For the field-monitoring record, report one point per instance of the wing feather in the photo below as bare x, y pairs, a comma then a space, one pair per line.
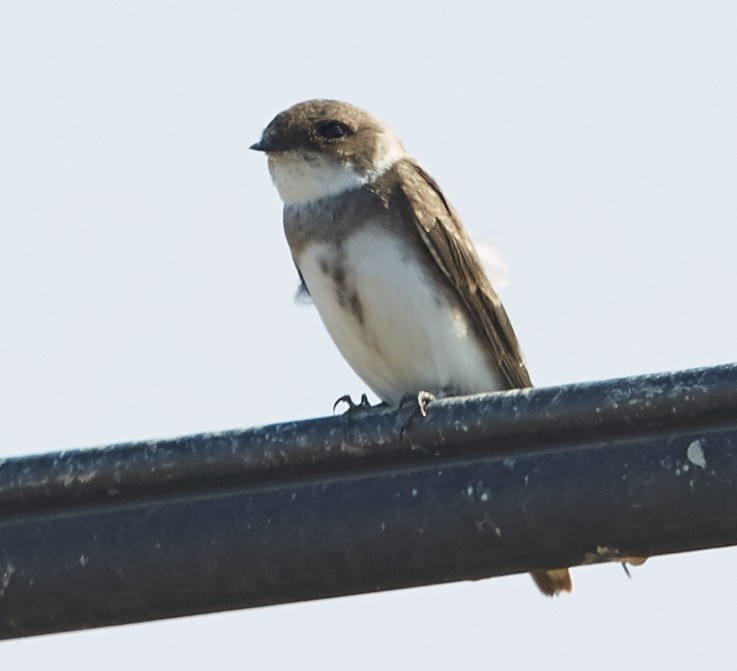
446, 238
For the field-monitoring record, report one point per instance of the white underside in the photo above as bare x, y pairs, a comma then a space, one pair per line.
301, 181
407, 341
303, 176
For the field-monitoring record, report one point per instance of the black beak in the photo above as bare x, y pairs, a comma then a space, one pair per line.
265, 144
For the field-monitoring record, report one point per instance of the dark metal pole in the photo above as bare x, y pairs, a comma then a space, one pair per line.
483, 486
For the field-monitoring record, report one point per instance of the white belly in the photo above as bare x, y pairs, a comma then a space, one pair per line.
390, 323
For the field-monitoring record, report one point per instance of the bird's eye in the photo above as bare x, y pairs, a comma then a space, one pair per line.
332, 130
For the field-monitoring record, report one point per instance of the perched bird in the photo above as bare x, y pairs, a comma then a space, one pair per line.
388, 263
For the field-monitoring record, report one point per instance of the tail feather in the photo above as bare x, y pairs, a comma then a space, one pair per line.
553, 581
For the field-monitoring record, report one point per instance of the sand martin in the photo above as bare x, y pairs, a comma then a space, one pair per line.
388, 263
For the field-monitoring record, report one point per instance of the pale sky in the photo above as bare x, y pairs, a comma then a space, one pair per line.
146, 289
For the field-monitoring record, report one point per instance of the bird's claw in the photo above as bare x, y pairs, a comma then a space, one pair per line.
420, 400
414, 402
353, 407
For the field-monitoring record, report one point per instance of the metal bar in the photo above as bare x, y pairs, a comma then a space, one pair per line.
483, 486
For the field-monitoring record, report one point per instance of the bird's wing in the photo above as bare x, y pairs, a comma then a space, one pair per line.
440, 228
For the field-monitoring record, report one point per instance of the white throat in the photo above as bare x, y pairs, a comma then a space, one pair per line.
302, 177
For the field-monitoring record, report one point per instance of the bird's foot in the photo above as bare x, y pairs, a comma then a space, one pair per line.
352, 413
420, 401
354, 407
413, 404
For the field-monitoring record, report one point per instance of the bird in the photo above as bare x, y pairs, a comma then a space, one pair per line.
388, 263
